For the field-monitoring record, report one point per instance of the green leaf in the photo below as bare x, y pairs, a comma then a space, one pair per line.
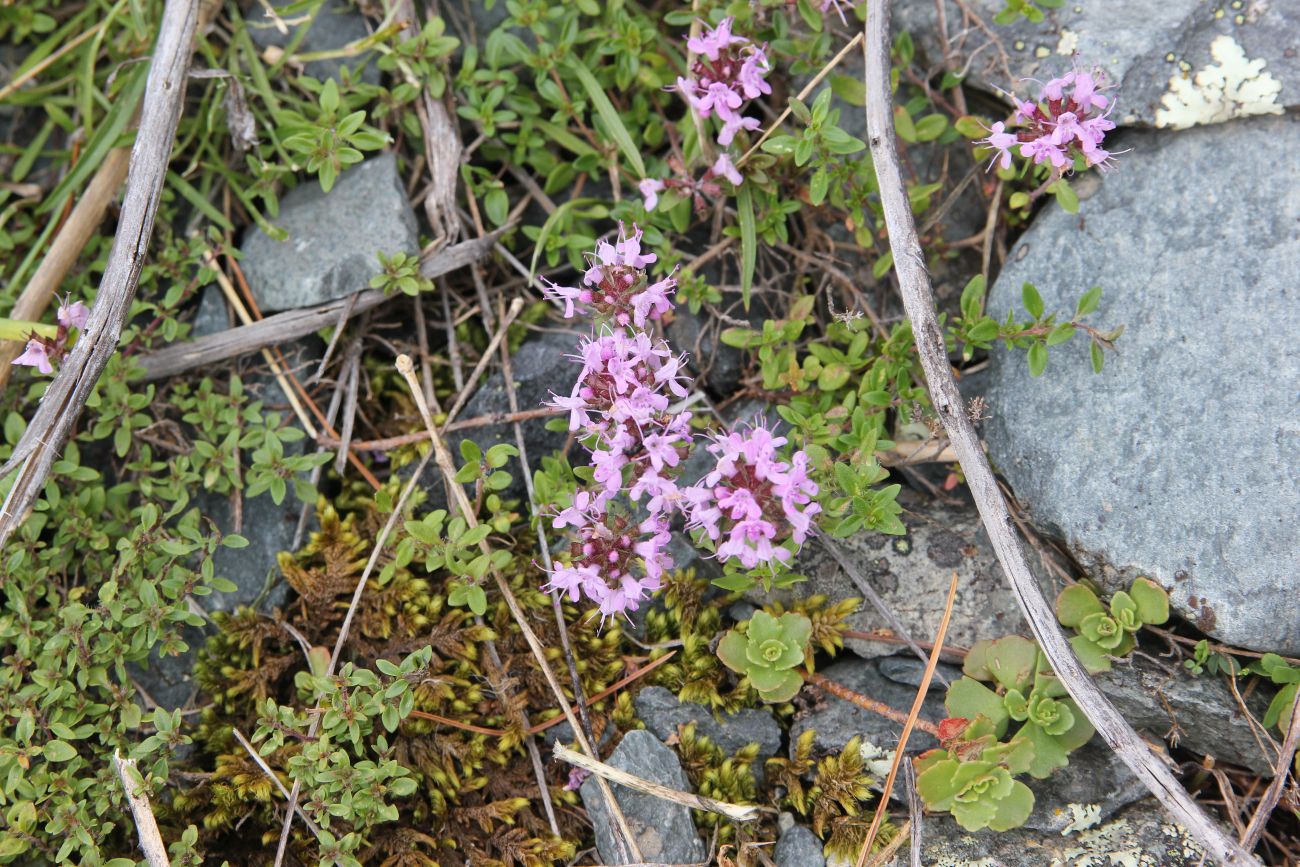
59, 751
1032, 300
969, 698
1088, 303
1075, 603
1065, 196
1014, 809
608, 114
818, 186
1037, 358
731, 650
1049, 755
972, 297
1097, 356
903, 124
931, 127
1279, 710
748, 241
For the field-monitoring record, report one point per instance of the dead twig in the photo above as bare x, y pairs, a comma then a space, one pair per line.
918, 299
151, 842
735, 812
67, 394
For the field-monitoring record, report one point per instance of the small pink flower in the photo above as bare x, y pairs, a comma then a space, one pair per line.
1002, 142
711, 43
73, 315
1042, 150
733, 125
36, 355
723, 167
650, 189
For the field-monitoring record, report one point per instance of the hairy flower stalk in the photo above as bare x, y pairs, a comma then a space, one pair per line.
1060, 127
749, 505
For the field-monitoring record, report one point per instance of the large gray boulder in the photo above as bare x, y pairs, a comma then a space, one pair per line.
664, 830
334, 237
1177, 63
1181, 460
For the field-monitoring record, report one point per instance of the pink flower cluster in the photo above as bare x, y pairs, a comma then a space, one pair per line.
615, 287
728, 71
42, 352
1060, 126
751, 495
620, 405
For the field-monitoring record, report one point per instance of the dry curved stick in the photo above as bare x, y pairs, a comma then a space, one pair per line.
67, 394
918, 299
735, 812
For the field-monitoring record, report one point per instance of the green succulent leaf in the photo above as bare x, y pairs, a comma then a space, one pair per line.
1151, 600
969, 698
1093, 656
1075, 603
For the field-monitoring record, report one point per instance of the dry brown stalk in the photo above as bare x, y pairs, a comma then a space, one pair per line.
879, 708
735, 812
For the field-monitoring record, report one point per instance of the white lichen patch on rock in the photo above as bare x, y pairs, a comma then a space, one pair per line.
1068, 43
1082, 817
877, 759
1115, 845
1232, 86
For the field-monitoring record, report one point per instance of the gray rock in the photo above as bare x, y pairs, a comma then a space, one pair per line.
1096, 782
212, 316
334, 237
664, 830
662, 713
1181, 460
911, 575
798, 847
337, 24
838, 721
1164, 55
1143, 835
1199, 713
